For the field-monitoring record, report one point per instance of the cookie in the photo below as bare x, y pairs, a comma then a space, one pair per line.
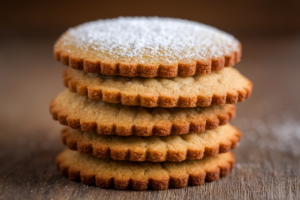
217, 88
147, 47
79, 112
107, 173
175, 148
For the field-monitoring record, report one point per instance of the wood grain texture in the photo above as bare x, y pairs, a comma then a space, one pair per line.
268, 157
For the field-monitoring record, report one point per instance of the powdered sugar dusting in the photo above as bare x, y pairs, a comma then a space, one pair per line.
150, 39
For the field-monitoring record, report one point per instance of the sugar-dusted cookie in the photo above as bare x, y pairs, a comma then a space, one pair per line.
147, 47
217, 88
79, 112
175, 148
107, 173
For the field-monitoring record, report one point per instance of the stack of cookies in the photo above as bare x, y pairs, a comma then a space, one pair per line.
148, 103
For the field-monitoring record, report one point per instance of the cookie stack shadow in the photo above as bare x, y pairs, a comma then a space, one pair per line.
140, 126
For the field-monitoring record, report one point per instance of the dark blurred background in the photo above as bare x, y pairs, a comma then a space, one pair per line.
30, 77
270, 17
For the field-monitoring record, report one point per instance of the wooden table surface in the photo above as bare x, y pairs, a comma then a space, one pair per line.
268, 157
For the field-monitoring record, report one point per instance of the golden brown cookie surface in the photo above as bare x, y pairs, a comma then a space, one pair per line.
147, 47
106, 173
174, 148
79, 112
217, 88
